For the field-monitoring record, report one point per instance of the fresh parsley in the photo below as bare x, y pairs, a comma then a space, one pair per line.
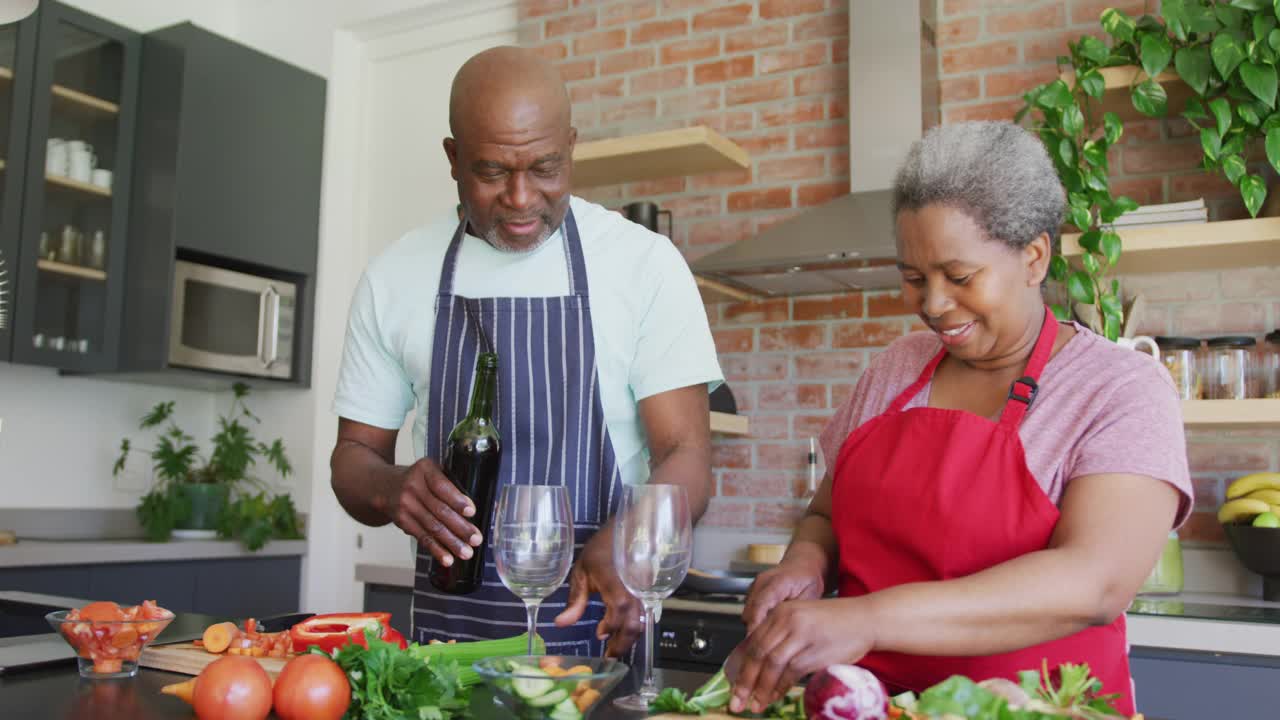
388, 683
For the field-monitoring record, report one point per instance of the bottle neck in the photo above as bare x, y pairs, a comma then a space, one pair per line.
483, 395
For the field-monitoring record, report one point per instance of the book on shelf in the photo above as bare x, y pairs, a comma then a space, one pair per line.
1197, 204
1128, 220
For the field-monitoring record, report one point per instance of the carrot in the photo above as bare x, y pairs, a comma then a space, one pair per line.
108, 665
578, 670
257, 651
217, 638
235, 651
183, 690
586, 698
198, 643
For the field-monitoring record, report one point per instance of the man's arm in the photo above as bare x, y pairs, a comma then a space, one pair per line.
677, 423
418, 498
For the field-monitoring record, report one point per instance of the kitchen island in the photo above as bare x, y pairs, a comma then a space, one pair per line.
57, 692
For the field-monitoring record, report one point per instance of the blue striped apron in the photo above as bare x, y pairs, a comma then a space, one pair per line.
553, 431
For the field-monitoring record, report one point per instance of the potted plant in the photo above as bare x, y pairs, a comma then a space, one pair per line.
1226, 53
210, 493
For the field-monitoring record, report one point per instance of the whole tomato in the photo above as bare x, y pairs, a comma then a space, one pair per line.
232, 688
312, 687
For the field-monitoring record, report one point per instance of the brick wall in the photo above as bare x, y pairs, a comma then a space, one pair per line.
772, 75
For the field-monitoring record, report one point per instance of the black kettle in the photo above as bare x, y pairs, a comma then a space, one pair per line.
646, 214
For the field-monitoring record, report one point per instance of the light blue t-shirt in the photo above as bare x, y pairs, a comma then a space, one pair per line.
651, 332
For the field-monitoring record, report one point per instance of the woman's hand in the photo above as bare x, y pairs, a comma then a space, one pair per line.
795, 578
797, 638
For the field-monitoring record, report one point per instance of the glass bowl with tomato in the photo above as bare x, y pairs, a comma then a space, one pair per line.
109, 638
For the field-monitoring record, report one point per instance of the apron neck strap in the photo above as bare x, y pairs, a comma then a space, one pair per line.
574, 258
1023, 390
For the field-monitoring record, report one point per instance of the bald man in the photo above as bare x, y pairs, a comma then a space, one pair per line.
605, 361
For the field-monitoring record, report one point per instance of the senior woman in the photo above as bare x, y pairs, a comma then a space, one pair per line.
999, 486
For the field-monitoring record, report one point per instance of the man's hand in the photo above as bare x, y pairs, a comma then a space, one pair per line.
425, 504
594, 573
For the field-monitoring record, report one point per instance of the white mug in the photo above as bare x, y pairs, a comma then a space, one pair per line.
82, 162
57, 157
101, 178
1138, 342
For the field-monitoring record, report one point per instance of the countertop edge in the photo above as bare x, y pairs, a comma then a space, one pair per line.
39, 553
1170, 633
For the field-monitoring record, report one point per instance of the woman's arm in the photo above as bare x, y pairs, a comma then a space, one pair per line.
806, 568
1111, 530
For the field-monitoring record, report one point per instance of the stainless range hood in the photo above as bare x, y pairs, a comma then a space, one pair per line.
847, 244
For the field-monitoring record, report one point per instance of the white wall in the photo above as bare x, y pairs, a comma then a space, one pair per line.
60, 436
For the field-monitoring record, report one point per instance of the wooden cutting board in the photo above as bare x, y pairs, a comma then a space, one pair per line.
188, 659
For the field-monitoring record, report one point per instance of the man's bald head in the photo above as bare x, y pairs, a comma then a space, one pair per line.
507, 81
512, 147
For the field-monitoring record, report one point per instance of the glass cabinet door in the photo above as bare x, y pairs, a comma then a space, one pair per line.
74, 222
17, 55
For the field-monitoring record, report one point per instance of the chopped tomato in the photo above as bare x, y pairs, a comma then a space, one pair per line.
109, 634
102, 612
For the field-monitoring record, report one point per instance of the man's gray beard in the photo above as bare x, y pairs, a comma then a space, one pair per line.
497, 243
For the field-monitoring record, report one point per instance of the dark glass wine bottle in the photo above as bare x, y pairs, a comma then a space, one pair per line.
471, 458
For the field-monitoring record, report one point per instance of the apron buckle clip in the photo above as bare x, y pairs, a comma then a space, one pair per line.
1029, 382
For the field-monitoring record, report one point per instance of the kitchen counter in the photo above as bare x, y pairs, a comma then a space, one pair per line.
1206, 622
30, 553
58, 692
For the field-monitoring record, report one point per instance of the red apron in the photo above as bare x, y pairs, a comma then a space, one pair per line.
933, 494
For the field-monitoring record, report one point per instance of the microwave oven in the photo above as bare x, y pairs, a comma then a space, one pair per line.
233, 322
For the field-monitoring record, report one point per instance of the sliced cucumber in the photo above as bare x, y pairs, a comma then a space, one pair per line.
531, 682
546, 700
566, 710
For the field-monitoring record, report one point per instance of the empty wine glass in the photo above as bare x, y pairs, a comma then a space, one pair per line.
652, 545
533, 540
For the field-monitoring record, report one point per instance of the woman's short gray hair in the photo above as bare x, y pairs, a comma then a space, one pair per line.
996, 172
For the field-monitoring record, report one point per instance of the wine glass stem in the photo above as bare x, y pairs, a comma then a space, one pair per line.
649, 689
531, 607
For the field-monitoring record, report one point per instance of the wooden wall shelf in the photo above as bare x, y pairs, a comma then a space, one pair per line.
82, 100
75, 97
653, 156
1194, 246
714, 291
727, 424
73, 270
1116, 97
1226, 414
70, 184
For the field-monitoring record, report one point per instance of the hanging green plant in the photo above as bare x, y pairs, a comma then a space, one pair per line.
1226, 53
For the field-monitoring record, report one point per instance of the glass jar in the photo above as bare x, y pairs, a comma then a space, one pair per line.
1166, 576
1231, 368
1269, 365
1181, 357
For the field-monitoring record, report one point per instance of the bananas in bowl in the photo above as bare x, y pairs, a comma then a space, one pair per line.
1252, 499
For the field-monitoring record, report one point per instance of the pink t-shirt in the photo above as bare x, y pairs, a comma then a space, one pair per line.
1100, 409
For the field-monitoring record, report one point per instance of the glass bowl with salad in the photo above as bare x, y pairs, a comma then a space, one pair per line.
550, 687
109, 638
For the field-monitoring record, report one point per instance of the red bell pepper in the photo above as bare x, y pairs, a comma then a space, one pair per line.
332, 631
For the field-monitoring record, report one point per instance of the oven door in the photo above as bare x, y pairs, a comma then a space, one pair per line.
697, 640
231, 322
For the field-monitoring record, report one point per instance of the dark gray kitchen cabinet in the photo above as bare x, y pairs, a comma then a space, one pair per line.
232, 587
17, 76
230, 166
1189, 685
228, 175
70, 148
